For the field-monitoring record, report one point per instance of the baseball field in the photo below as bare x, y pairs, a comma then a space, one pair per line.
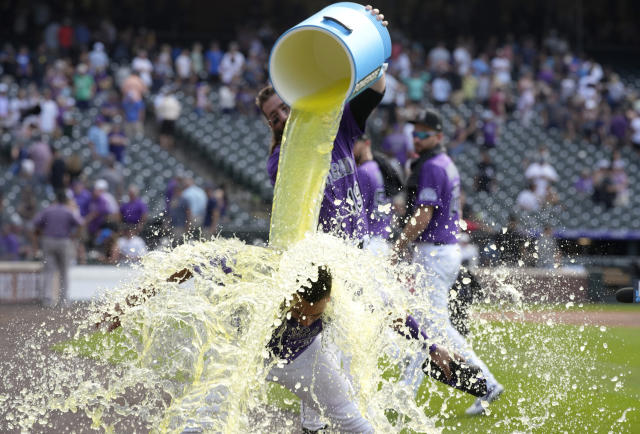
564, 370
560, 375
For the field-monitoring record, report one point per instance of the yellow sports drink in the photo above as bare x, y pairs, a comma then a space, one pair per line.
305, 156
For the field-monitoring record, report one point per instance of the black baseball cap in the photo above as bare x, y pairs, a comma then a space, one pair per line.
430, 119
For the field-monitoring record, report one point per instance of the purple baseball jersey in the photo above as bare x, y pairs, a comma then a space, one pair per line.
439, 186
342, 210
377, 205
290, 339
57, 221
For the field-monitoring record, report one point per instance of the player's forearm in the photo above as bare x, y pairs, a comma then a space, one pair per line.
416, 225
380, 85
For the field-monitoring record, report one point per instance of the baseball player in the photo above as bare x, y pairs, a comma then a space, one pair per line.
377, 205
433, 200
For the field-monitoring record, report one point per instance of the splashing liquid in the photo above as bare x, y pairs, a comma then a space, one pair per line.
304, 164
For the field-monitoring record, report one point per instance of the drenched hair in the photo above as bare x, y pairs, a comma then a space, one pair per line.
317, 289
264, 94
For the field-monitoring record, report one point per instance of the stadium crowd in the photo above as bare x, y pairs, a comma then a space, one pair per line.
123, 75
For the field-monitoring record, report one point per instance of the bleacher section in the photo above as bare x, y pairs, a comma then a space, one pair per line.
147, 164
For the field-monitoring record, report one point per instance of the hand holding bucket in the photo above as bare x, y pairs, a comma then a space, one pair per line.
343, 43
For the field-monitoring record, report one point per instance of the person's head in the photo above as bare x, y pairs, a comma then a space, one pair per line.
133, 191
100, 187
275, 111
427, 132
61, 196
311, 299
362, 149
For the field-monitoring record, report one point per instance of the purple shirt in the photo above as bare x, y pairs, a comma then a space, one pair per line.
342, 210
100, 205
439, 186
57, 221
133, 211
9, 247
373, 197
83, 199
290, 339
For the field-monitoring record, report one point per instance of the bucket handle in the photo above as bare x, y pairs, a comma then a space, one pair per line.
348, 29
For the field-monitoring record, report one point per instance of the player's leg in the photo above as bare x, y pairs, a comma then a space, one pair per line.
442, 264
316, 378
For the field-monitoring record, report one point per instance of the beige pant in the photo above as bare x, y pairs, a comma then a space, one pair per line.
57, 254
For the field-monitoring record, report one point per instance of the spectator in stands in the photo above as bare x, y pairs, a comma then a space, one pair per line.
74, 167
65, 37
490, 130
98, 138
84, 87
100, 208
501, 67
227, 98
111, 172
133, 115
40, 153
143, 67
58, 174
620, 183
56, 226
163, 67
110, 108
213, 57
526, 100
542, 174
178, 210
184, 68
547, 249
196, 199
584, 183
603, 190
197, 61
4, 106
441, 87
439, 56
129, 247
133, 87
9, 243
528, 200
231, 64
457, 143
416, 84
81, 196
134, 211
98, 59
213, 211
49, 112
485, 178
168, 110
118, 142
203, 104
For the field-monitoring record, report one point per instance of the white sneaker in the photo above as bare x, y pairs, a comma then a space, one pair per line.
481, 404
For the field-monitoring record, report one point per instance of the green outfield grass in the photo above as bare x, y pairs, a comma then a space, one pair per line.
538, 404
557, 378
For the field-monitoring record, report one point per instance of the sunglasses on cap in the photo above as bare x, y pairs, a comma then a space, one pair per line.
424, 134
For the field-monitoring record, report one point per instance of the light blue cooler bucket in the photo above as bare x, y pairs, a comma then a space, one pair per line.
342, 41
